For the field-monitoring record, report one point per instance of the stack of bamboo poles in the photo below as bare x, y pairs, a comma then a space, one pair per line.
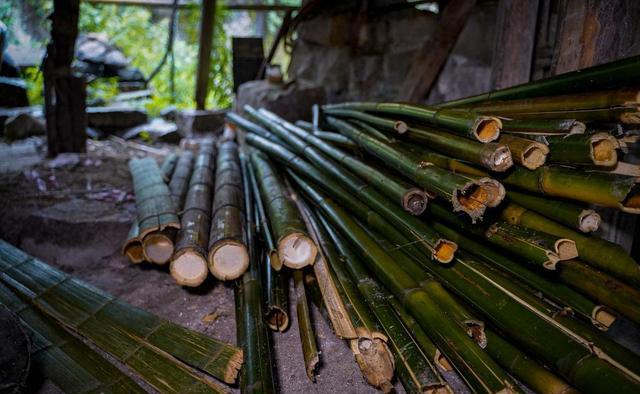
459, 237
58, 310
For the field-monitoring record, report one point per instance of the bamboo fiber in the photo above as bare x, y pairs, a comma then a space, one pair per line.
492, 156
471, 125
295, 248
228, 257
130, 334
564, 212
257, 375
179, 183
593, 149
438, 248
415, 369
525, 152
606, 76
411, 198
478, 370
189, 261
61, 357
468, 195
156, 214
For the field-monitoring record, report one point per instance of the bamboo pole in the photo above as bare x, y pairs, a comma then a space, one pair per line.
295, 249
493, 156
605, 76
465, 123
416, 371
156, 214
145, 342
478, 370
336, 139
438, 248
412, 199
251, 127
564, 212
465, 194
61, 357
594, 149
168, 166
189, 261
525, 152
228, 257
537, 125
257, 375
179, 183
305, 327
594, 250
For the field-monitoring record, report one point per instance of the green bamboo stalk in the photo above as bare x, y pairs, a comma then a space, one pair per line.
595, 251
412, 199
315, 117
621, 73
303, 124
189, 261
168, 166
276, 282
257, 375
537, 125
593, 149
492, 156
336, 139
415, 369
295, 249
370, 345
134, 336
465, 194
478, 370
156, 214
465, 123
564, 212
250, 126
228, 257
179, 183
440, 249
61, 357
525, 152
305, 327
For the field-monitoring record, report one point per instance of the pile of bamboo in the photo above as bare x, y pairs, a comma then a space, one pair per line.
57, 310
460, 237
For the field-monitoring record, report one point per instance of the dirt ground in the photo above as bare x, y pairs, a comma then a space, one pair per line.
74, 213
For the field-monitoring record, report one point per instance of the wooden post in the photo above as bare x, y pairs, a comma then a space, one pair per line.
515, 42
428, 62
64, 92
207, 20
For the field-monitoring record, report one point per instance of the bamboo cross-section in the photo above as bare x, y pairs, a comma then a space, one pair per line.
189, 261
228, 257
156, 213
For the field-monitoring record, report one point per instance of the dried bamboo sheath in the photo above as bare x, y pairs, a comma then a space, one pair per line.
228, 257
189, 261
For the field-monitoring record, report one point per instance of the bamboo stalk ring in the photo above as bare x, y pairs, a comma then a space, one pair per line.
189, 268
296, 250
487, 128
228, 259
158, 247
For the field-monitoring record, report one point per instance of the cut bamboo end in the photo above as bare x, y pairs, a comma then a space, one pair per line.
589, 221
157, 248
296, 250
374, 359
277, 318
576, 127
566, 249
602, 318
494, 190
444, 251
276, 264
487, 128
534, 156
133, 251
603, 150
400, 127
497, 157
441, 361
312, 365
631, 203
233, 367
475, 197
632, 117
475, 330
415, 201
228, 260
189, 269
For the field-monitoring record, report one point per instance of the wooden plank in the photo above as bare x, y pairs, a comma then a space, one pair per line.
146, 3
428, 62
515, 42
207, 21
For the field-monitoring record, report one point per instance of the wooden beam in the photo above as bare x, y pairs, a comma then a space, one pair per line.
207, 21
195, 4
515, 42
428, 62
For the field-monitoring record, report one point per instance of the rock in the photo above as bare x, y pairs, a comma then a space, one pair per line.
13, 92
190, 121
23, 125
292, 101
6, 113
115, 118
158, 130
97, 56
